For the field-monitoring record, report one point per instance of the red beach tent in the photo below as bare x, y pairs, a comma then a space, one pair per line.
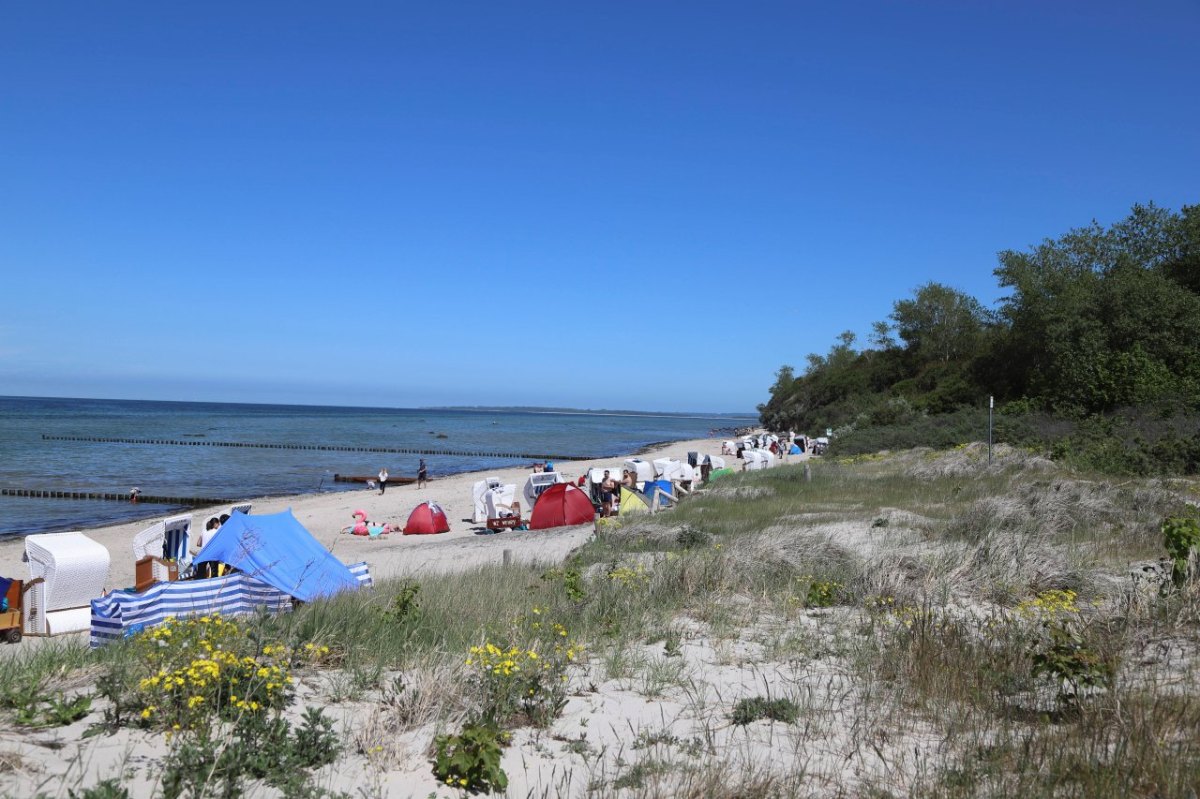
561, 505
426, 519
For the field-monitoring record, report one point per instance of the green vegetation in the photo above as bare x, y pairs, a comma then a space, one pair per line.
757, 708
987, 640
471, 759
1093, 357
1181, 536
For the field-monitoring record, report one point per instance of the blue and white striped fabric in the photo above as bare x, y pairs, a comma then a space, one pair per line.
362, 573
124, 613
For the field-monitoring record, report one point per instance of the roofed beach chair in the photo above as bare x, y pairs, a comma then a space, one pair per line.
503, 511
165, 545
149, 542
67, 571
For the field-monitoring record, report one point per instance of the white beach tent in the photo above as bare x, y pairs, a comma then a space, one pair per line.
67, 571
477, 495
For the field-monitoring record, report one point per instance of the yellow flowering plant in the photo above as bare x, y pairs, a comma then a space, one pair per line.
524, 678
630, 576
207, 666
1059, 650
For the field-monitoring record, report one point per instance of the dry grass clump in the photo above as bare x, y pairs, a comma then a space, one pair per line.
1002, 567
422, 699
642, 531
800, 551
736, 491
903, 579
968, 460
14, 761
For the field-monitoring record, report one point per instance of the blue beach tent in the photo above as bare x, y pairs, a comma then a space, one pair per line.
277, 550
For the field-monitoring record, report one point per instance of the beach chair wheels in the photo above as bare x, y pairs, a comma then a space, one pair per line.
13, 636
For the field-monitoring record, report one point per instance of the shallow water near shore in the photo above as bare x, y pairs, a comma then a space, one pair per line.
30, 461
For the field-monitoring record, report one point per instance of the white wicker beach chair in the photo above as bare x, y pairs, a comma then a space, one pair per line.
244, 507
149, 542
498, 501
67, 571
478, 490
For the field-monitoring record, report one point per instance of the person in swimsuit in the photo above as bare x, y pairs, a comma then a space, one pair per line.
607, 487
422, 474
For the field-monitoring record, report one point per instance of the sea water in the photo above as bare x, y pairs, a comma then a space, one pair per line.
30, 461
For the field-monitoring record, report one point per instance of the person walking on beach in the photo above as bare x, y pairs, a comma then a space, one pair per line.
422, 474
383, 476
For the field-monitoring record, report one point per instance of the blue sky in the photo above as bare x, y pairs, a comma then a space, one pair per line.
639, 205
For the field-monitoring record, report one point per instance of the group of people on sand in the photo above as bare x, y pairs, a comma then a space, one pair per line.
365, 527
422, 477
609, 488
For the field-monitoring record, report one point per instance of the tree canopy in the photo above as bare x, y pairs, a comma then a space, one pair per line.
1097, 320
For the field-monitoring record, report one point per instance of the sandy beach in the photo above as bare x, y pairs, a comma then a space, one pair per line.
325, 515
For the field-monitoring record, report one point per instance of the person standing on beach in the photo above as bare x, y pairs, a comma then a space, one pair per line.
608, 487
383, 476
422, 474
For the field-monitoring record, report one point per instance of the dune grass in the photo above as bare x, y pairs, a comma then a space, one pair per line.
915, 578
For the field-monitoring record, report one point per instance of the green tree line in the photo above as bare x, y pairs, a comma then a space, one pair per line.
1093, 353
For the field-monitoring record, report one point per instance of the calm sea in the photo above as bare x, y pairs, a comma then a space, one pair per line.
29, 461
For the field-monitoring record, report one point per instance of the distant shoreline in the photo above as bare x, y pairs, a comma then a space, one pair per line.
413, 409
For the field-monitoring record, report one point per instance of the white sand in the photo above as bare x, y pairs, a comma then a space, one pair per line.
610, 726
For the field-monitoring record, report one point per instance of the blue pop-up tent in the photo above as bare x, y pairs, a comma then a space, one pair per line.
277, 550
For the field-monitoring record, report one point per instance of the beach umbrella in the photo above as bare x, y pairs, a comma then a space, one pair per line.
426, 519
561, 505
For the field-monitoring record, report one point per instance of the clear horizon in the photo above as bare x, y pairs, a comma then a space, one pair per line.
640, 206
695, 414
